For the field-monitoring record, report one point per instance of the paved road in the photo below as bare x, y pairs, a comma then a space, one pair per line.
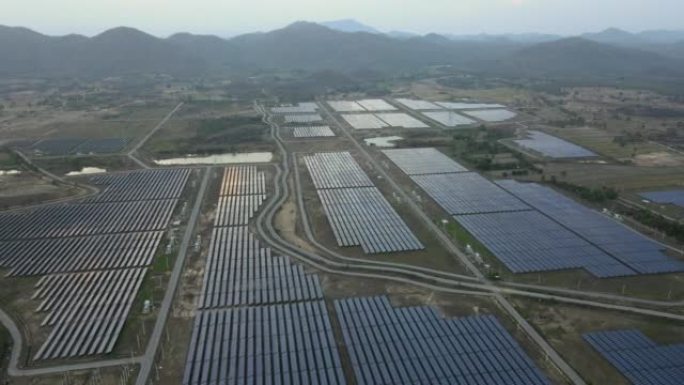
153, 344
131, 153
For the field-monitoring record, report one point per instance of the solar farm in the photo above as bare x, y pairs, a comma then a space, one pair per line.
449, 118
364, 121
415, 345
345, 106
91, 255
673, 197
532, 228
357, 211
367, 121
299, 108
419, 105
376, 105
312, 132
400, 119
492, 115
638, 358
552, 146
467, 106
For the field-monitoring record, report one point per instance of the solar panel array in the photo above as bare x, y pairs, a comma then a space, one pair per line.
400, 119
276, 344
236, 210
240, 272
467, 106
102, 146
312, 132
528, 241
418, 104
638, 358
101, 245
416, 161
449, 118
336, 170
495, 115
552, 146
56, 255
376, 105
303, 118
415, 345
530, 228
357, 211
675, 197
467, 193
66, 146
299, 108
262, 321
86, 310
363, 217
364, 121
345, 106
638, 252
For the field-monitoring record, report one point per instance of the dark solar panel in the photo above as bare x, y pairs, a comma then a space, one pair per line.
415, 345
675, 197
638, 358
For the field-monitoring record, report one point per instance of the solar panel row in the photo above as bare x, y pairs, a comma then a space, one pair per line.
312, 132
364, 121
418, 104
140, 185
86, 310
276, 344
527, 241
240, 272
303, 118
449, 118
245, 180
58, 255
299, 108
363, 217
345, 106
414, 345
638, 358
552, 146
336, 170
102, 146
491, 115
235, 210
416, 161
468, 106
627, 246
376, 105
468, 193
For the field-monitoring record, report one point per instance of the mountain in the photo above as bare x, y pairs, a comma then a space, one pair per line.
582, 58
617, 36
528, 38
349, 25
401, 34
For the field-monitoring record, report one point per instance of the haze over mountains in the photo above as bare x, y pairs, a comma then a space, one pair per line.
343, 46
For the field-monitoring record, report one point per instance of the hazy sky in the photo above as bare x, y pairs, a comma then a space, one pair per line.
228, 17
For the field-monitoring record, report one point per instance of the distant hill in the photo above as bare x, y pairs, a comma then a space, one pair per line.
530, 38
349, 25
318, 49
579, 57
620, 37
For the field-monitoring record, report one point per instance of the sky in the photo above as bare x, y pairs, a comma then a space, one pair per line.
231, 17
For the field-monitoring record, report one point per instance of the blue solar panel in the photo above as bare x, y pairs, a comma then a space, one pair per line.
553, 147
627, 246
528, 241
415, 345
638, 358
675, 197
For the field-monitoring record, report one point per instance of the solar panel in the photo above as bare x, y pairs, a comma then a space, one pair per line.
415, 345
58, 146
467, 193
364, 121
376, 105
675, 197
363, 217
629, 247
400, 119
102, 146
306, 107
345, 106
418, 104
467, 106
312, 132
527, 241
276, 344
449, 118
552, 147
638, 358
336, 170
416, 161
303, 118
